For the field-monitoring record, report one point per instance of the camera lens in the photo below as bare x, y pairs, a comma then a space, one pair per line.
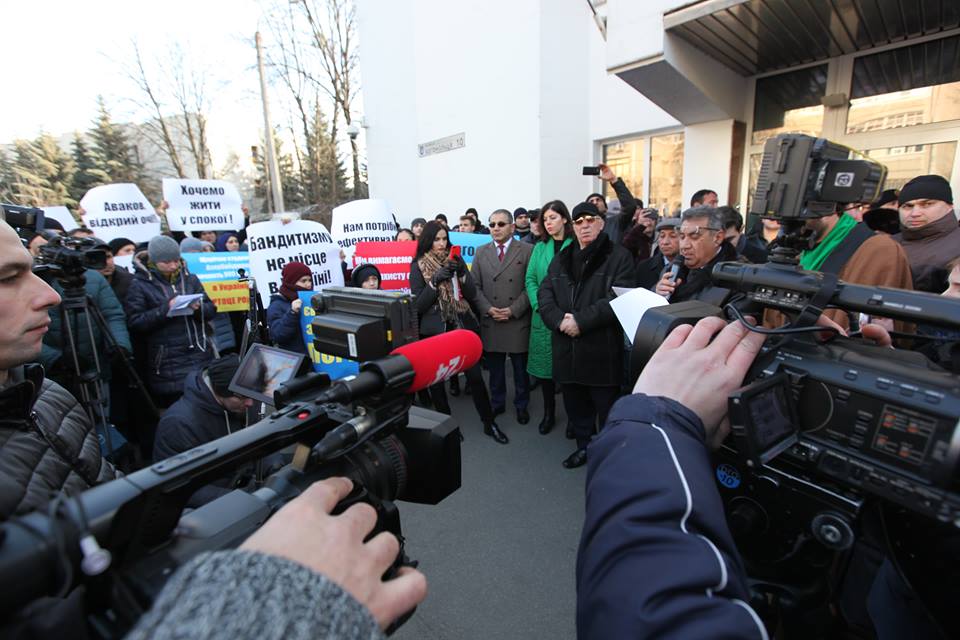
380, 466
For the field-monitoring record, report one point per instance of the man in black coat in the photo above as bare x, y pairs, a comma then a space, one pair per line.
650, 270
207, 410
587, 341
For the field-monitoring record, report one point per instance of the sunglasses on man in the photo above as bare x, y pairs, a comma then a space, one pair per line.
500, 224
588, 219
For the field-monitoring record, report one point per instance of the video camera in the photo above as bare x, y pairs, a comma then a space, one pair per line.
363, 428
822, 432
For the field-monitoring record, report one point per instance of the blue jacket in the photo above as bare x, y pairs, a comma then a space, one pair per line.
656, 558
284, 326
99, 291
174, 346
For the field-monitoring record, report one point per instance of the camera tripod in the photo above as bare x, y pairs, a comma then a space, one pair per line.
87, 380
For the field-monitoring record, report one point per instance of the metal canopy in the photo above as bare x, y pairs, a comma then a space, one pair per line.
756, 36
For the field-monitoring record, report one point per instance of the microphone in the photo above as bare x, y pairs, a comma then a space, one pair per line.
407, 369
676, 267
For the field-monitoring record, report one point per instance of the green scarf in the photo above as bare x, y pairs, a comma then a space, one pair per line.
812, 260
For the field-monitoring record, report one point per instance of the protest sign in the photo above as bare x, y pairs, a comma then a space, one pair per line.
124, 262
217, 272
62, 215
119, 211
362, 221
273, 244
333, 366
468, 243
202, 205
391, 258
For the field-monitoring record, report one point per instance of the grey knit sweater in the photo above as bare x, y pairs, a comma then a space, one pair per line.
239, 594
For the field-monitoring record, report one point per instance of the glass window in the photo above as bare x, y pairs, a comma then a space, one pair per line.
666, 173
789, 103
626, 160
904, 163
903, 87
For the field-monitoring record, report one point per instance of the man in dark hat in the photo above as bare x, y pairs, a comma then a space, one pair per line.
929, 232
650, 270
207, 410
521, 222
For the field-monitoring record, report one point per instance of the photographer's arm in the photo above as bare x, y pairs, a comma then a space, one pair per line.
304, 574
656, 557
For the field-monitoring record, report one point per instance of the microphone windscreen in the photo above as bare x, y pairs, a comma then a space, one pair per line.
441, 357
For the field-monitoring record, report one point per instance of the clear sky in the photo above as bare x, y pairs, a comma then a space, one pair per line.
58, 56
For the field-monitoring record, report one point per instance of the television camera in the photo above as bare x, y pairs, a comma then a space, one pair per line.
841, 452
122, 540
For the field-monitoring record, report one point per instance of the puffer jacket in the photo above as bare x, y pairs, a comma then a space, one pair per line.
47, 444
284, 325
174, 346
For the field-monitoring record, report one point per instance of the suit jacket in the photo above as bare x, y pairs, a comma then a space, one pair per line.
502, 284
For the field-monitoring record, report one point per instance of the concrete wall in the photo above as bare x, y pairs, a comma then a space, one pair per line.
706, 159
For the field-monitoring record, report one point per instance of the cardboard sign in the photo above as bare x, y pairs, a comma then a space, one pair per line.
202, 205
119, 211
62, 215
468, 243
391, 258
333, 366
362, 221
273, 244
217, 272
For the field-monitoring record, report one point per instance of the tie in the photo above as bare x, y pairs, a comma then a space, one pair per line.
500, 250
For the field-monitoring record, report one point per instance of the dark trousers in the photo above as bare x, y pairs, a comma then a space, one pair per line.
478, 393
585, 407
496, 365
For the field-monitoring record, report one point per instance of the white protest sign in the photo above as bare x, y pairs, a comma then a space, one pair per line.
62, 215
273, 244
124, 262
119, 211
202, 205
362, 221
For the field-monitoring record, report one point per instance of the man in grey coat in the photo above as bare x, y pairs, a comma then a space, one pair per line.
499, 269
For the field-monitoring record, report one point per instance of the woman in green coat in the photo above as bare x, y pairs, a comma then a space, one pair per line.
557, 234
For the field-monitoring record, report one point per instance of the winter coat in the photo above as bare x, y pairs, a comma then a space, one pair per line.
617, 225
595, 357
653, 511
929, 249
650, 271
223, 334
195, 419
120, 282
47, 444
501, 284
752, 248
99, 291
540, 352
284, 325
174, 346
425, 300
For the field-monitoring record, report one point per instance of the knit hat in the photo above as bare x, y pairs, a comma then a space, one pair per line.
668, 223
926, 188
520, 211
362, 272
119, 243
888, 196
292, 272
585, 209
221, 372
596, 195
417, 221
882, 219
191, 245
163, 249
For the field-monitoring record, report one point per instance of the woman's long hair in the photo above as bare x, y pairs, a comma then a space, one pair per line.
558, 207
427, 236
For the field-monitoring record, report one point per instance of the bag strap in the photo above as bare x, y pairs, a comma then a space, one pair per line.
838, 258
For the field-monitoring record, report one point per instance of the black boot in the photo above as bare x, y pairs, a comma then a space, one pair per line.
491, 429
549, 420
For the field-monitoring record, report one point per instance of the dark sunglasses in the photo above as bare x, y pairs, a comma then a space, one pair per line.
500, 224
579, 221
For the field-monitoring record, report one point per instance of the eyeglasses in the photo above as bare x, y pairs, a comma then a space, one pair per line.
694, 233
499, 224
579, 221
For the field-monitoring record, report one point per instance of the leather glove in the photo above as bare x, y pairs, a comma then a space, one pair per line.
460, 266
443, 274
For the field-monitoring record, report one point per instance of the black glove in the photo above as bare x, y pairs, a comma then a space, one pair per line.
459, 265
443, 274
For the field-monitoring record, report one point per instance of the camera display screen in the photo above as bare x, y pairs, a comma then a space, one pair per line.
770, 416
263, 370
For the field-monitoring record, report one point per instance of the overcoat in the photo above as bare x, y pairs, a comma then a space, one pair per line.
501, 284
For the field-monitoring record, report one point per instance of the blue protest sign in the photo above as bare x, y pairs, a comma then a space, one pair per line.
217, 273
331, 365
468, 243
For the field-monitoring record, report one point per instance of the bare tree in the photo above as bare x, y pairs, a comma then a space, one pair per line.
189, 91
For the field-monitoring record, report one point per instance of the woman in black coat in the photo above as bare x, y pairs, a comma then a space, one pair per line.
441, 309
587, 341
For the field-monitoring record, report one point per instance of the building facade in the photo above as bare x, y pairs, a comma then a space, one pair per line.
499, 103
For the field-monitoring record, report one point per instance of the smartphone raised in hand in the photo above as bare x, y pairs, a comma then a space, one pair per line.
591, 171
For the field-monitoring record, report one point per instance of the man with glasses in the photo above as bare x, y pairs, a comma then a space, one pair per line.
702, 245
499, 270
587, 341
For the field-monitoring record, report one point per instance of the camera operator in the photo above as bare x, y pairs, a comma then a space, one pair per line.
304, 575
656, 557
47, 442
702, 245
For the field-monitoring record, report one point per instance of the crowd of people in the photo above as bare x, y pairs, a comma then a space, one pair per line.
538, 294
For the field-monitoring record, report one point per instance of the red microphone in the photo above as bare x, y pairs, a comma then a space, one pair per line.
441, 357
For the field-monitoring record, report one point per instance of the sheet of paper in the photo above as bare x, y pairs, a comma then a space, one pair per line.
630, 306
181, 304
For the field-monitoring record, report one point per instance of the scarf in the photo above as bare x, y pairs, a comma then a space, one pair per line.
169, 277
812, 260
450, 307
